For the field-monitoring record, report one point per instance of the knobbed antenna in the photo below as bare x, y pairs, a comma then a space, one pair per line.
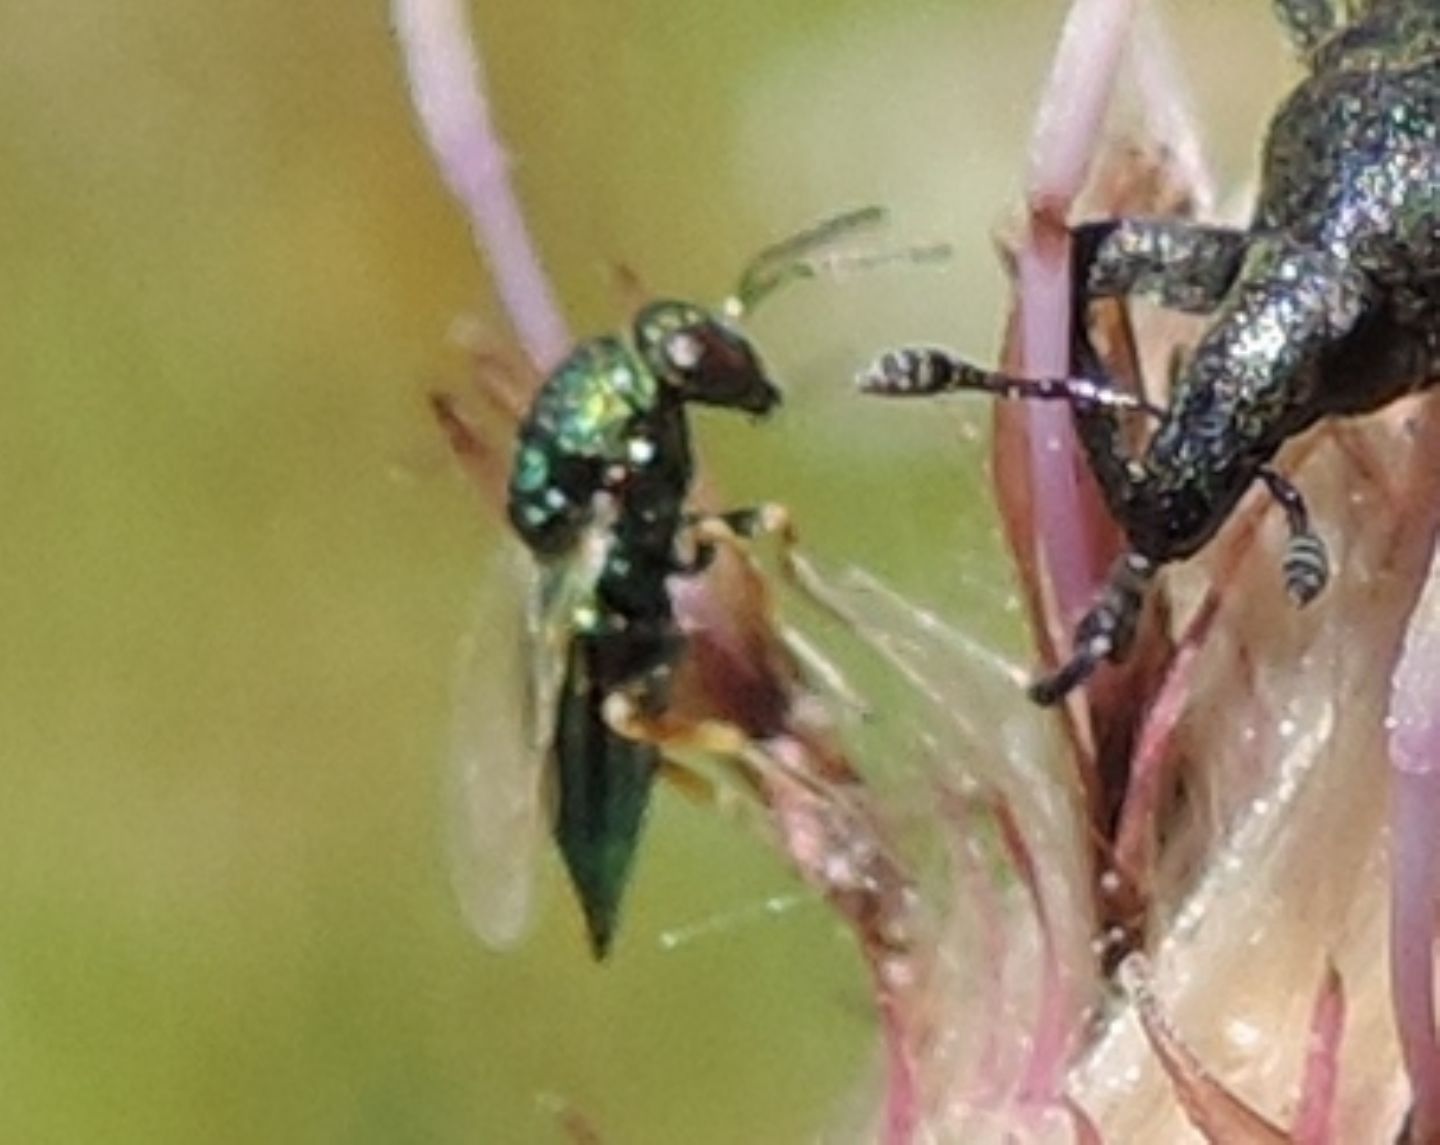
804, 256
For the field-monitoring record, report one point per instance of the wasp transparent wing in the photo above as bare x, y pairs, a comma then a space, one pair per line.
507, 695
498, 749
560, 593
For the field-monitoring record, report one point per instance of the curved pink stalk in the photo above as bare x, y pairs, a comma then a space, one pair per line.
1315, 1118
1415, 854
902, 1100
1085, 1130
1135, 834
822, 844
1065, 136
447, 86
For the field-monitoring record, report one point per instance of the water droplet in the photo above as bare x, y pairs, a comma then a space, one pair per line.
1242, 1034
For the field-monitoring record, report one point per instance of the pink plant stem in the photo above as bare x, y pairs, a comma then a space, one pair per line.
1315, 1119
902, 1102
1415, 854
1065, 135
1135, 836
811, 852
1086, 1132
447, 86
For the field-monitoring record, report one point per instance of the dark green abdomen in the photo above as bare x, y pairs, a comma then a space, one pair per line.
603, 790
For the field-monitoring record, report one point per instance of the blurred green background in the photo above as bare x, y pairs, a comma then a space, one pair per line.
237, 558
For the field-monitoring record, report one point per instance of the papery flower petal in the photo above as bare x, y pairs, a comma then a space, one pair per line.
1221, 1116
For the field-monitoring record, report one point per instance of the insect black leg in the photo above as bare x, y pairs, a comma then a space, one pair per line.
1307, 23
1306, 563
1176, 264
928, 372
1096, 405
1105, 632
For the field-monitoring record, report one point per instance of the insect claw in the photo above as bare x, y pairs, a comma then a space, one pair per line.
1106, 631
1047, 691
1090, 650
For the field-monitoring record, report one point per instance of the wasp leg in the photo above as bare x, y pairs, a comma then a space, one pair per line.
1105, 632
628, 714
1307, 562
737, 528
774, 520
701, 553
711, 794
1308, 23
1176, 264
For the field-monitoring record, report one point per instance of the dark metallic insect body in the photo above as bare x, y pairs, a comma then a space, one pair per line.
1327, 304
597, 492
605, 449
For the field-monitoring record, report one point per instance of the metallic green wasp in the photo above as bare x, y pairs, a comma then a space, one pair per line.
597, 493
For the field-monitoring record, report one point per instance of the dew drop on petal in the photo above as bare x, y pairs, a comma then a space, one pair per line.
1242, 1034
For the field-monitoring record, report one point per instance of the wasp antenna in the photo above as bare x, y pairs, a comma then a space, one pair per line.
791, 258
802, 256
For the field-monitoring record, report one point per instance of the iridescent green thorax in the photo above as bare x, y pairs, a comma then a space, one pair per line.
586, 408
578, 433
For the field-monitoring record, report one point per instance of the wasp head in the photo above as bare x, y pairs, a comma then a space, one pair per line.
702, 359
